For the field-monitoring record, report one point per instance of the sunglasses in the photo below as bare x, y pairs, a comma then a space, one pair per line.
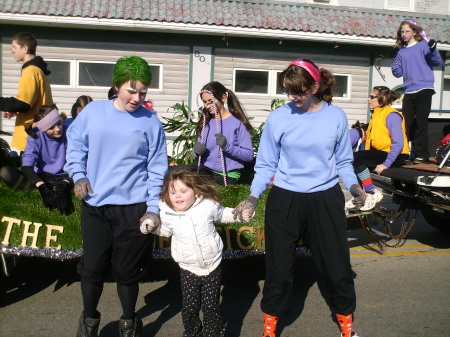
372, 96
295, 96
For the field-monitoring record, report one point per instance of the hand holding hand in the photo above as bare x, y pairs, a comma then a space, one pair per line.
432, 44
221, 140
199, 148
392, 51
359, 196
380, 168
247, 205
149, 222
82, 188
246, 215
47, 195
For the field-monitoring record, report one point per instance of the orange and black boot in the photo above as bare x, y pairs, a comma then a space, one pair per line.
270, 325
345, 323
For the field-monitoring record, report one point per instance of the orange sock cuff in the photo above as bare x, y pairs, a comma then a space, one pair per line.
345, 324
270, 325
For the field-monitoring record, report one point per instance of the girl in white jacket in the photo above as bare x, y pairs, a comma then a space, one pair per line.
189, 207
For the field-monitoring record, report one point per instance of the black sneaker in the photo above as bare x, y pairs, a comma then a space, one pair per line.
420, 160
130, 327
88, 327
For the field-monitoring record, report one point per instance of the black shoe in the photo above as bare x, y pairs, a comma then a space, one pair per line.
130, 327
88, 327
420, 160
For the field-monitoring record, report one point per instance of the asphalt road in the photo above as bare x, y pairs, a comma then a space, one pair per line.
403, 292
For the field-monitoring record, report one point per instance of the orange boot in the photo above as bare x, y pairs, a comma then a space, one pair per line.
270, 325
345, 323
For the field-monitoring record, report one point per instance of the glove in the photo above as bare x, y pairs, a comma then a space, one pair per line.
47, 195
392, 51
149, 222
221, 140
63, 197
359, 196
248, 204
432, 44
199, 148
82, 188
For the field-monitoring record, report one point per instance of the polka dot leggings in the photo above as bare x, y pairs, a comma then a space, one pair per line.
202, 292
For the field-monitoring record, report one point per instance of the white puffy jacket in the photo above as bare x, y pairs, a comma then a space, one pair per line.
196, 245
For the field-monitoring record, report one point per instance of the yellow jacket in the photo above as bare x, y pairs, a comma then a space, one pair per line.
34, 89
377, 133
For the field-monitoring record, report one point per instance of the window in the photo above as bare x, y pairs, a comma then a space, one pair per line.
399, 4
251, 81
60, 72
341, 89
82, 74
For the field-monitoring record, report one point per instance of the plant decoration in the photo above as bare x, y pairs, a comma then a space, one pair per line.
184, 122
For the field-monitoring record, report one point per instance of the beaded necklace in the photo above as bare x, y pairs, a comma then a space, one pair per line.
202, 135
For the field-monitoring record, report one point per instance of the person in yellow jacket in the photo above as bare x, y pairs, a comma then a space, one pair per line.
386, 144
34, 88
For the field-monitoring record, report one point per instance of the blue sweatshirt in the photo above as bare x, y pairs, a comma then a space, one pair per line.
123, 154
239, 147
46, 154
306, 151
416, 64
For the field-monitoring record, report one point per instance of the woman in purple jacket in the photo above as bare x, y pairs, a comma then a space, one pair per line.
224, 143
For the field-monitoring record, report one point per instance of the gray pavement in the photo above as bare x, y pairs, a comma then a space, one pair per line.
403, 293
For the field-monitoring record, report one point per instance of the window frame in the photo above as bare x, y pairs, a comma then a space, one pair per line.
74, 74
391, 7
269, 78
349, 86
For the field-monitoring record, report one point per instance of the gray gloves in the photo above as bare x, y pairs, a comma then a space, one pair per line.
199, 148
392, 51
149, 222
221, 140
248, 204
82, 188
359, 196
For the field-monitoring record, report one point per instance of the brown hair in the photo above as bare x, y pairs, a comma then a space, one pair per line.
234, 106
81, 102
385, 95
26, 39
296, 80
41, 112
201, 184
414, 27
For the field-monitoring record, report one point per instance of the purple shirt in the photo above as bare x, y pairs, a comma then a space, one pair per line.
46, 154
239, 147
354, 138
394, 125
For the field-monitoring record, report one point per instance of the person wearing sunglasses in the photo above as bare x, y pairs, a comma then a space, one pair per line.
386, 145
43, 161
306, 146
413, 58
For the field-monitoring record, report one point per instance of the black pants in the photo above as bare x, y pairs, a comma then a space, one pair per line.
111, 236
371, 158
318, 218
201, 292
416, 109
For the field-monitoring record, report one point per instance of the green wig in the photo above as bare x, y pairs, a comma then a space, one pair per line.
132, 68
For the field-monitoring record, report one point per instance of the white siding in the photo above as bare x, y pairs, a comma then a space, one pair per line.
256, 105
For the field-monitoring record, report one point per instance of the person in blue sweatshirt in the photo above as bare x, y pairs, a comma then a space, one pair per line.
305, 144
118, 168
413, 58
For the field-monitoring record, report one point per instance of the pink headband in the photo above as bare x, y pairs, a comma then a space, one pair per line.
49, 120
310, 68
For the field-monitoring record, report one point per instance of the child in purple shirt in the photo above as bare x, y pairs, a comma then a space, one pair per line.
224, 143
